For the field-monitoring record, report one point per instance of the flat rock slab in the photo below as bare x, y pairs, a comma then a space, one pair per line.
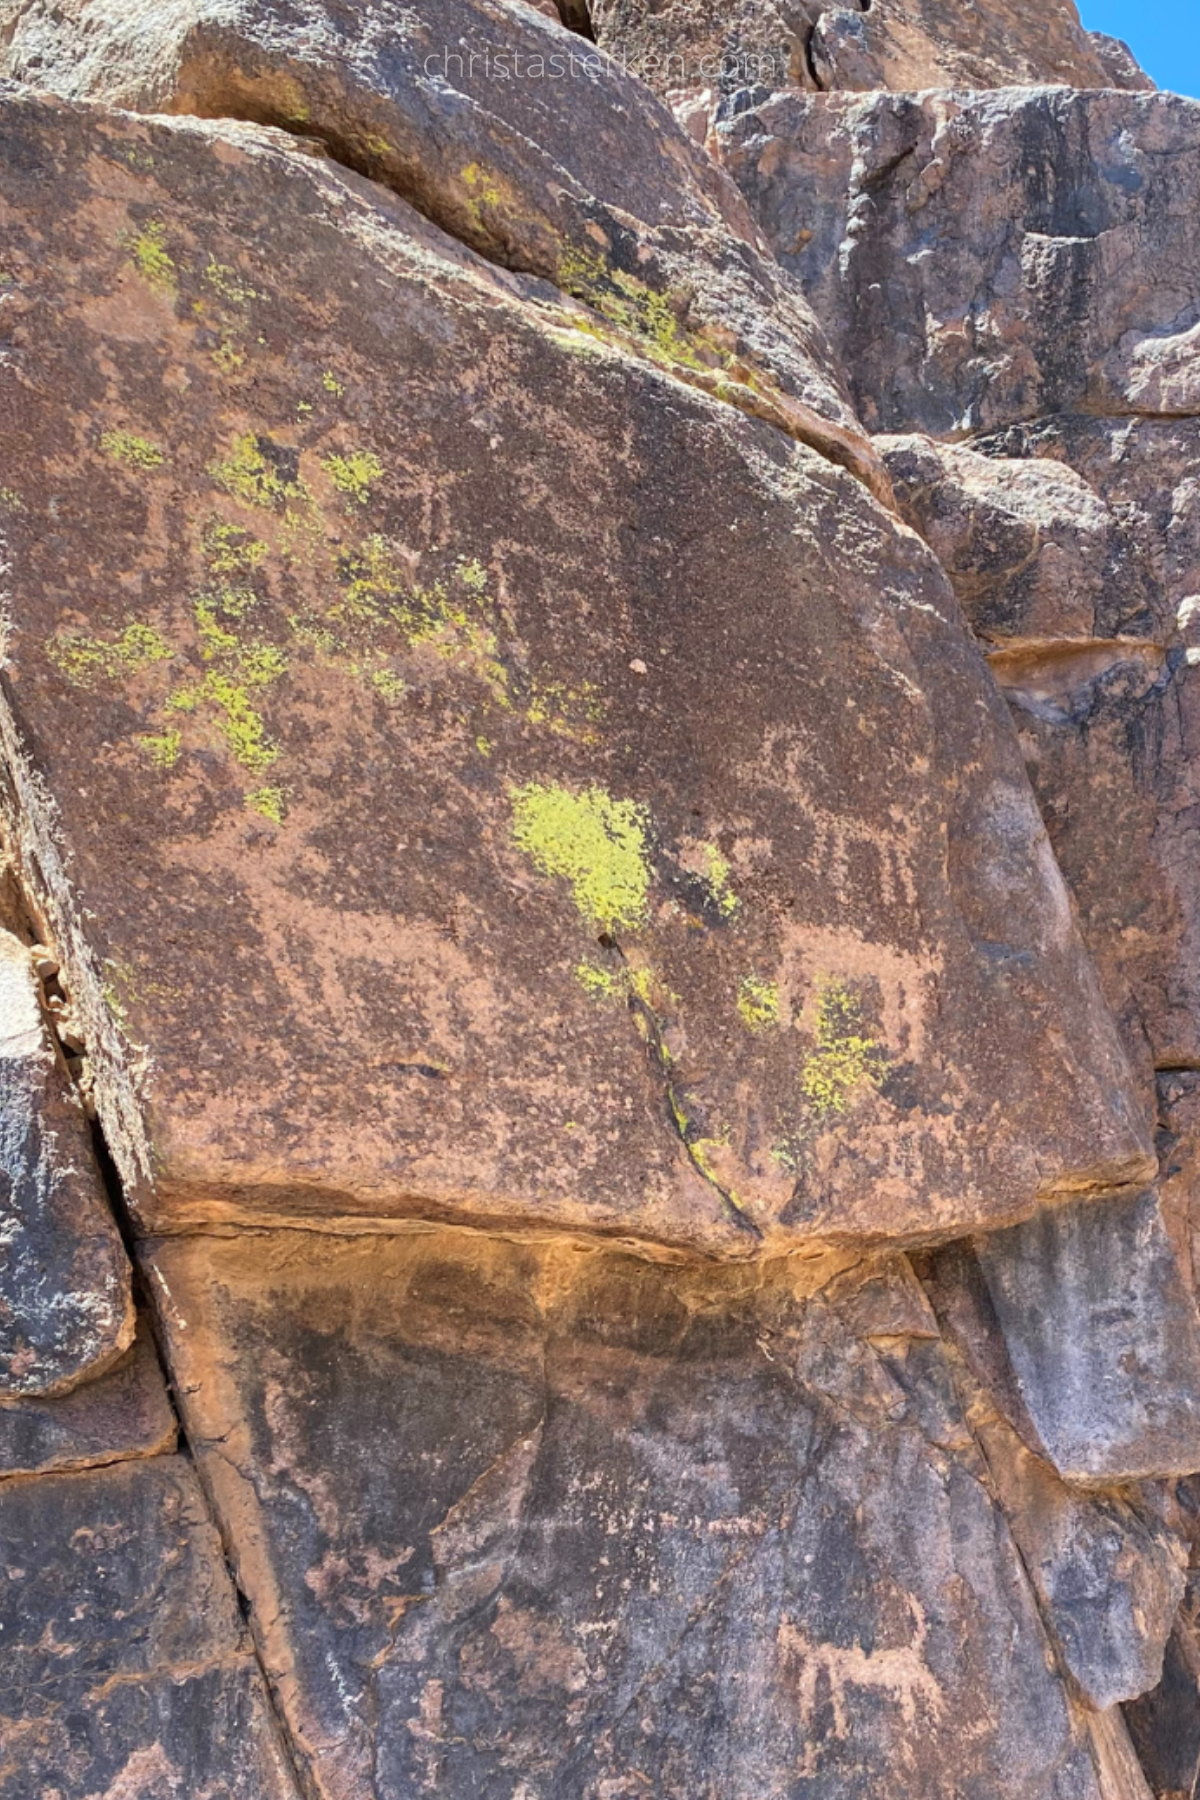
979, 259
1102, 1338
124, 1413
66, 1310
635, 834
126, 1668
507, 131
564, 1522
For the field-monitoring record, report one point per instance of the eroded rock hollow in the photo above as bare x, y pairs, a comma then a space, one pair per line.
599, 1027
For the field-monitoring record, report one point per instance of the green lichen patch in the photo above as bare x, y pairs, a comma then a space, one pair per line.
597, 982
228, 285
269, 802
717, 875
256, 470
151, 258
163, 749
845, 1059
354, 474
758, 1003
87, 661
135, 452
331, 384
636, 310
596, 842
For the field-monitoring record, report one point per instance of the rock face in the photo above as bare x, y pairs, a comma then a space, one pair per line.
596, 734
540, 844
632, 1518
65, 1305
696, 44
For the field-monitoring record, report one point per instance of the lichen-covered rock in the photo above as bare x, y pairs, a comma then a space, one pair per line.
66, 1310
484, 116
434, 757
126, 1668
983, 259
558, 1521
124, 1413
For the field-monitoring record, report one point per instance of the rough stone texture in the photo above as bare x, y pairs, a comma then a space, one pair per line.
1165, 1724
675, 1532
125, 1413
837, 987
558, 168
65, 1305
680, 45
126, 1670
1109, 1576
1102, 1338
961, 302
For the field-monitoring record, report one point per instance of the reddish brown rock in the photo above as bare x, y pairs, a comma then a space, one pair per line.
126, 1667
511, 134
559, 1521
124, 1413
66, 1311
435, 758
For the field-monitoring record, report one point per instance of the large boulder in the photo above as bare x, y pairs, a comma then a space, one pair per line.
637, 835
551, 1520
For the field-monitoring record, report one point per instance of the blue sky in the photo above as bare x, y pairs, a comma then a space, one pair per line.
1164, 35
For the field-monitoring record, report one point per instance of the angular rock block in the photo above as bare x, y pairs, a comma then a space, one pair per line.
1165, 1724
66, 1310
1109, 1575
508, 132
983, 259
638, 836
560, 1521
126, 1669
1102, 1338
124, 1413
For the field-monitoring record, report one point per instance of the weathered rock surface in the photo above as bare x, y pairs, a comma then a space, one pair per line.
429, 758
126, 1669
65, 1305
1165, 1725
1102, 1338
124, 1413
558, 1521
677, 45
961, 302
1109, 1575
536, 159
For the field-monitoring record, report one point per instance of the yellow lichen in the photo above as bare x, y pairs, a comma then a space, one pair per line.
598, 983
354, 474
128, 448
845, 1058
330, 382
231, 550
758, 1003
271, 802
85, 660
716, 873
388, 685
152, 259
163, 750
597, 843
228, 284
635, 309
250, 475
